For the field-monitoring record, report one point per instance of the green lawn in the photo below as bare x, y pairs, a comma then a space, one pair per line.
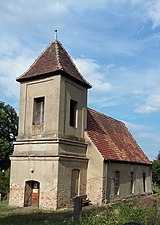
145, 210
30, 216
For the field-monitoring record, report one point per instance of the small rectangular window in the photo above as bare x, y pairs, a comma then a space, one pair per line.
38, 111
131, 182
116, 183
144, 182
73, 113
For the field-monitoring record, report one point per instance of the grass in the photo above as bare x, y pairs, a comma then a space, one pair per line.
28, 216
145, 210
4, 208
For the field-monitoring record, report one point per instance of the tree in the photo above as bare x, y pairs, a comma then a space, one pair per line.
156, 170
8, 133
158, 156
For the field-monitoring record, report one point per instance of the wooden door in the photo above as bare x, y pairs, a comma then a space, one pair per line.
35, 194
31, 194
28, 194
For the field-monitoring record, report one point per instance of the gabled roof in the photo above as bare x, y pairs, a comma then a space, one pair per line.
113, 140
54, 60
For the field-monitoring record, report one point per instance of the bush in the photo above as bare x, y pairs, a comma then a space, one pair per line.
123, 212
4, 183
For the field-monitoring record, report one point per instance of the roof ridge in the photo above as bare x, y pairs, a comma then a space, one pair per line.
54, 59
57, 55
35, 61
102, 114
72, 63
113, 139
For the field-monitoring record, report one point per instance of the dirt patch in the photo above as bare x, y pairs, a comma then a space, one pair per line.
150, 201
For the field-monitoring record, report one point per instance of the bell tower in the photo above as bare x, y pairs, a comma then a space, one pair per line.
50, 153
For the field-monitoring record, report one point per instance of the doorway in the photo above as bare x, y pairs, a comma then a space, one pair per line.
31, 194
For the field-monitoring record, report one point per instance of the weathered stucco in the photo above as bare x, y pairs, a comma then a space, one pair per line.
41, 169
101, 175
124, 189
66, 166
48, 154
95, 177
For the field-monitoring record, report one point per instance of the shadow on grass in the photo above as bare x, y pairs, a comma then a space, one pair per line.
37, 218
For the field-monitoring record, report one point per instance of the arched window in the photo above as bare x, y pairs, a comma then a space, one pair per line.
75, 182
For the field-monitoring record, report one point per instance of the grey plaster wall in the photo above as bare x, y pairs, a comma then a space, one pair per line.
41, 169
64, 181
124, 189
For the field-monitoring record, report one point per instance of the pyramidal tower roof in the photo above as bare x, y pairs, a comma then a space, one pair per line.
54, 60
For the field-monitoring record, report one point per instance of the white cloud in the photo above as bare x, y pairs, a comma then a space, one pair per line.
135, 127
150, 9
120, 86
11, 11
135, 87
10, 69
79, 5
14, 60
143, 133
146, 137
94, 74
8, 45
151, 103
154, 12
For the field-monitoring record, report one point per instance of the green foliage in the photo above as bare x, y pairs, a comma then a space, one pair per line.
117, 214
156, 188
4, 183
5, 208
156, 170
8, 132
147, 213
158, 156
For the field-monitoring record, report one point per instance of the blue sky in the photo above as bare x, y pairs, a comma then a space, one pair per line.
114, 43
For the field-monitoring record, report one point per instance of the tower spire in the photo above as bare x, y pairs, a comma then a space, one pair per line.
56, 36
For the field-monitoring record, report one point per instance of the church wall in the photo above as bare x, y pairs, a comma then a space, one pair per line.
56, 154
72, 149
125, 170
41, 169
36, 148
71, 90
50, 146
48, 88
66, 166
95, 176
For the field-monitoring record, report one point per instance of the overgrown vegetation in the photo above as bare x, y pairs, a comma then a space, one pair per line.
156, 170
8, 132
145, 210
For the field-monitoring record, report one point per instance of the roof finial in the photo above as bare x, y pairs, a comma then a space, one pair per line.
56, 37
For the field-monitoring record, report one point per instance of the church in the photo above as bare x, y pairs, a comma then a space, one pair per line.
65, 149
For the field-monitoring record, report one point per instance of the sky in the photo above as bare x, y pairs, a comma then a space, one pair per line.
114, 43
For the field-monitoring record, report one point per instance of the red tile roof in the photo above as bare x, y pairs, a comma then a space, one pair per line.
112, 139
54, 60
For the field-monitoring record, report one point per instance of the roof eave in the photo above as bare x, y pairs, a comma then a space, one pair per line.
84, 83
126, 161
53, 73
36, 76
